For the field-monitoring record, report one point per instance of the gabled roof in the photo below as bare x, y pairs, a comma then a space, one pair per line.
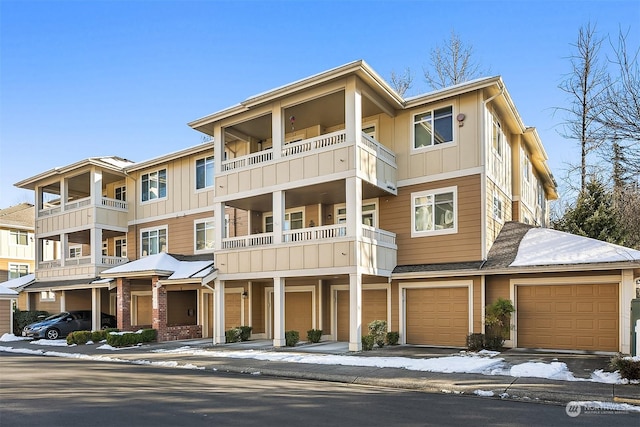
172, 267
19, 282
19, 216
55, 285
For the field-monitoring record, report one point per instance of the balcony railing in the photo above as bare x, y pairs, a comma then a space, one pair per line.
324, 232
114, 204
307, 146
113, 260
104, 260
86, 201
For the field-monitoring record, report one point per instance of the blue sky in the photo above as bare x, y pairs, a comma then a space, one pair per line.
82, 79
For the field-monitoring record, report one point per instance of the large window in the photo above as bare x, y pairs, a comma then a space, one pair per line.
434, 212
205, 234
204, 172
121, 193
292, 221
154, 241
154, 185
497, 207
18, 270
121, 247
497, 137
75, 251
433, 128
19, 237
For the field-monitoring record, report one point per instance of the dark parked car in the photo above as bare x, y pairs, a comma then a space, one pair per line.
59, 325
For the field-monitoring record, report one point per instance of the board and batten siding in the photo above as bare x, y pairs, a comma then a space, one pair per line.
465, 245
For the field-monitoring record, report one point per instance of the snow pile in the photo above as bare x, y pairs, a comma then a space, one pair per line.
11, 337
552, 371
483, 393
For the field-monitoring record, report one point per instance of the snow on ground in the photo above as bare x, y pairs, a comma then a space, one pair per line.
11, 337
484, 393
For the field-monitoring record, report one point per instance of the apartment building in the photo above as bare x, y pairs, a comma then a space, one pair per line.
333, 202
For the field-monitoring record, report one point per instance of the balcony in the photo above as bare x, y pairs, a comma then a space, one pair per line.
82, 213
309, 159
314, 250
76, 267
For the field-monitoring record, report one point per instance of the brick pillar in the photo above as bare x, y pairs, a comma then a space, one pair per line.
124, 304
159, 309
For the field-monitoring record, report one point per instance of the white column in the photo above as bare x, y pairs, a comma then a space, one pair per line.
96, 303
278, 312
64, 243
277, 130
354, 207
628, 293
96, 246
278, 215
63, 301
218, 149
320, 306
353, 112
355, 312
96, 187
64, 194
218, 220
218, 312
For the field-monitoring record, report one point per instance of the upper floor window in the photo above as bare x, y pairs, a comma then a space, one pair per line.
526, 166
75, 252
292, 221
433, 128
121, 193
154, 241
368, 214
434, 212
497, 137
497, 207
105, 248
205, 234
121, 247
154, 185
18, 270
19, 237
204, 172
540, 194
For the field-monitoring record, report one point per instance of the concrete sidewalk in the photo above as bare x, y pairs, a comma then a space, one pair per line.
521, 388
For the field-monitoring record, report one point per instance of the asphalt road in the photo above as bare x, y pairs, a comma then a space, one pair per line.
51, 391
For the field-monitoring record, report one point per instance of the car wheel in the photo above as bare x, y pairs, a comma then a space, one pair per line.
53, 334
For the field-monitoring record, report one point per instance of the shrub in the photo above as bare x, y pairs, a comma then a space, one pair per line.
475, 342
232, 335
122, 339
393, 337
497, 318
367, 342
378, 330
23, 318
78, 337
314, 335
291, 338
629, 367
493, 342
245, 332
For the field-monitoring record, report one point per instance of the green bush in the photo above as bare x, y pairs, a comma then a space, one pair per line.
314, 335
628, 367
131, 338
393, 337
78, 337
291, 338
378, 330
97, 336
367, 342
232, 335
24, 318
245, 332
475, 342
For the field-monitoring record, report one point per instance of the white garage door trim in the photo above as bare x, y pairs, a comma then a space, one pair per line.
431, 285
268, 292
368, 287
623, 326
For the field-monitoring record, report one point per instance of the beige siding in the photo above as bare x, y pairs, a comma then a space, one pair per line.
79, 299
5, 316
465, 245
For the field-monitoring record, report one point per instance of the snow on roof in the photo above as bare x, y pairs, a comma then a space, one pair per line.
7, 292
18, 282
160, 261
188, 269
543, 246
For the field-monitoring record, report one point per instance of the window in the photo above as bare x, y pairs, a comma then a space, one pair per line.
75, 252
105, 248
154, 241
434, 212
368, 214
497, 137
497, 207
292, 221
121, 247
268, 224
526, 166
19, 237
18, 270
433, 128
154, 185
47, 296
205, 235
204, 172
121, 193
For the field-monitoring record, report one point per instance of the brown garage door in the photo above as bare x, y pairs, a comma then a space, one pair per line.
437, 316
298, 312
374, 307
143, 314
232, 310
568, 317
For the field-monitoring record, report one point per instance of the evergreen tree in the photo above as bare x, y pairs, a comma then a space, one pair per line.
594, 215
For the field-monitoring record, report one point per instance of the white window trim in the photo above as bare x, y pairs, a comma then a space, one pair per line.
50, 296
166, 196
145, 230
195, 175
286, 212
496, 197
501, 140
435, 192
16, 232
120, 239
16, 265
364, 203
73, 249
195, 234
434, 146
123, 190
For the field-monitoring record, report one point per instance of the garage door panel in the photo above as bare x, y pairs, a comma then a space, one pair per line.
445, 323
589, 320
298, 312
374, 307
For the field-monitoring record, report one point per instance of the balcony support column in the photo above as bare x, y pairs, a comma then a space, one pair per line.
278, 312
96, 246
277, 130
278, 215
96, 303
353, 112
218, 312
355, 312
64, 248
96, 187
219, 224
218, 148
64, 194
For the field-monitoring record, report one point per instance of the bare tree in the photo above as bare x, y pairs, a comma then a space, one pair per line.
451, 63
585, 86
401, 83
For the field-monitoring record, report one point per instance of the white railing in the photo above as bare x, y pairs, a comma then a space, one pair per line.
49, 211
81, 260
314, 233
46, 265
379, 235
312, 144
77, 204
248, 160
247, 241
114, 204
113, 260
382, 152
